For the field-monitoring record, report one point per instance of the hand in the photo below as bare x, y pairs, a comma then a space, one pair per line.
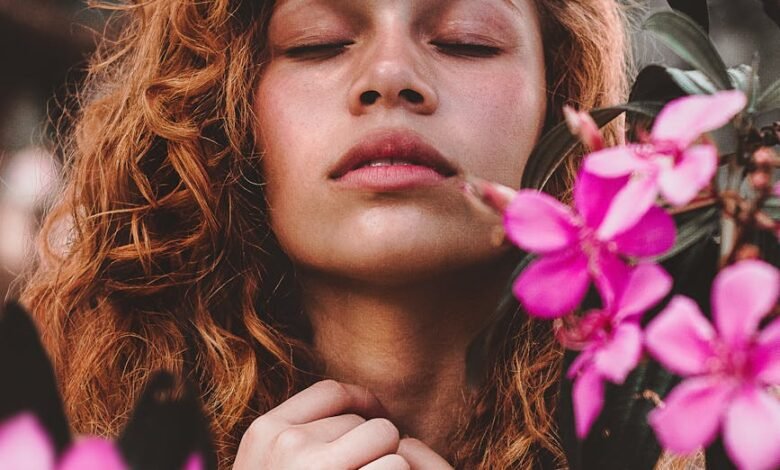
421, 457
330, 425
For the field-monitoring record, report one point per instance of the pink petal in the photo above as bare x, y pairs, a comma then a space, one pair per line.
613, 162
588, 400
629, 205
92, 453
24, 445
593, 195
765, 356
691, 414
652, 235
776, 189
582, 125
539, 287
682, 182
618, 356
580, 363
681, 338
646, 286
610, 275
751, 430
683, 120
195, 462
742, 295
538, 223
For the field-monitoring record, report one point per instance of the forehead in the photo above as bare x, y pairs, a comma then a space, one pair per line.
520, 7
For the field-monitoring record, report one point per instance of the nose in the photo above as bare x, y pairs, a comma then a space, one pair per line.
390, 76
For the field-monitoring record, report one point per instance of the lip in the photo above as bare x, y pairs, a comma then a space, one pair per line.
424, 165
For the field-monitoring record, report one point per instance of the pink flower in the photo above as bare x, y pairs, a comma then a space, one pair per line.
730, 368
24, 445
582, 125
670, 163
611, 342
573, 246
92, 453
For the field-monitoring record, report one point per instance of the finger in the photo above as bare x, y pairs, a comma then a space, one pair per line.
331, 428
388, 462
329, 398
364, 444
420, 456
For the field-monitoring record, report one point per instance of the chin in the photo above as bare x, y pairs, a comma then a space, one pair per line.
404, 254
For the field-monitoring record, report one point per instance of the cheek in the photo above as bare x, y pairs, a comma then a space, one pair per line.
289, 124
504, 121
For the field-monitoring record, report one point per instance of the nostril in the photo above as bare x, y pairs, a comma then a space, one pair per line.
369, 97
411, 96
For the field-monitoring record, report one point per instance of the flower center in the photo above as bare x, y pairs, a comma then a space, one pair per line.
732, 362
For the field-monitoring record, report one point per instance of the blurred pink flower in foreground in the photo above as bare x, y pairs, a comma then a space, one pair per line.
729, 367
24, 445
611, 342
670, 162
573, 247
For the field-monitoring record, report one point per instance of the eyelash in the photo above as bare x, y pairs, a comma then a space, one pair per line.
467, 49
328, 50
317, 51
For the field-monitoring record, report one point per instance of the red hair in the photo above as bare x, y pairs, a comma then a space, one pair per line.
168, 260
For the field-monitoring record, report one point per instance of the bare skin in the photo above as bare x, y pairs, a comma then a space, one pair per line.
396, 282
364, 332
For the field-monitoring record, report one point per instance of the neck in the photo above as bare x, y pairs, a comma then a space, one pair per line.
405, 342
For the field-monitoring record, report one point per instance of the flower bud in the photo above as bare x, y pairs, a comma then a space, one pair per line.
582, 125
493, 195
748, 251
759, 180
764, 156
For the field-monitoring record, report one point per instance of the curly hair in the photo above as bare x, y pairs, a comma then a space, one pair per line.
159, 253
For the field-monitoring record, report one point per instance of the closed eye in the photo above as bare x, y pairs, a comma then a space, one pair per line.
467, 49
317, 51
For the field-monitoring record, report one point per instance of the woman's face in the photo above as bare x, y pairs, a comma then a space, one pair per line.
369, 112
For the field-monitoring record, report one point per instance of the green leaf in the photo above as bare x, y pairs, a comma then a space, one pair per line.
692, 82
653, 83
741, 77
696, 9
692, 229
695, 82
691, 43
770, 98
555, 146
772, 208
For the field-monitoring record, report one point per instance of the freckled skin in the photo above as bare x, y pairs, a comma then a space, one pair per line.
482, 112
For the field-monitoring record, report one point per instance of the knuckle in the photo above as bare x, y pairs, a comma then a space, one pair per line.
355, 419
291, 439
329, 384
336, 390
261, 428
395, 462
332, 387
410, 442
386, 429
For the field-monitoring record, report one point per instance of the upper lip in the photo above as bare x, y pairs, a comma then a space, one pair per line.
403, 145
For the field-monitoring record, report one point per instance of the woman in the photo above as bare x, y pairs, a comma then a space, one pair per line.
263, 195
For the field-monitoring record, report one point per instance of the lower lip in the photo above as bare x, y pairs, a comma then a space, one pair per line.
391, 177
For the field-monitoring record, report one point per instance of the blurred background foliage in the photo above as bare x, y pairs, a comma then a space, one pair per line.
43, 49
